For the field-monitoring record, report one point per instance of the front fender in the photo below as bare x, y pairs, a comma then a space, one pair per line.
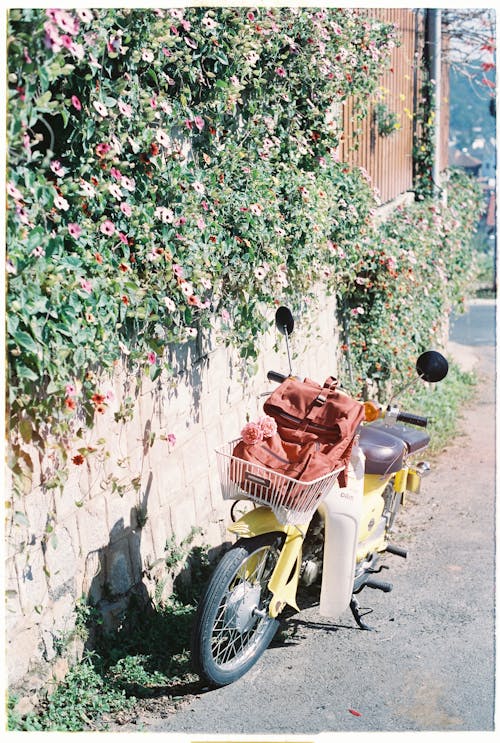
341, 511
285, 578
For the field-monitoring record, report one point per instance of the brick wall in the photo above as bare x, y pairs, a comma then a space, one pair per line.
103, 535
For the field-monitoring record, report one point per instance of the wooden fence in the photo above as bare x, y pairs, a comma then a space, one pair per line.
388, 158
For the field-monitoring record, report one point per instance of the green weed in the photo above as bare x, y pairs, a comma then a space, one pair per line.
148, 655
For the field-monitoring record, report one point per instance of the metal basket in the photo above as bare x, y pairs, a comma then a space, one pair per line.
292, 501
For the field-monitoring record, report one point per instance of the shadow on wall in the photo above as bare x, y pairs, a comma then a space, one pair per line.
119, 574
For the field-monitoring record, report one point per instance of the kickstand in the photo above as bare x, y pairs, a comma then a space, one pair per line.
354, 607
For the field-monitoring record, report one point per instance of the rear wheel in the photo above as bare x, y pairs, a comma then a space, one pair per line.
233, 627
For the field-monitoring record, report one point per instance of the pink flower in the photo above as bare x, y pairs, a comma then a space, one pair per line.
67, 41
86, 285
267, 426
201, 223
107, 227
251, 433
70, 390
74, 229
66, 22
152, 357
171, 439
75, 102
281, 72
115, 173
199, 123
177, 270
191, 42
126, 209
225, 316
198, 187
14, 192
102, 149
123, 238
169, 304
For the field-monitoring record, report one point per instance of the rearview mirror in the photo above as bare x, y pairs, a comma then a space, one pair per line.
284, 320
432, 366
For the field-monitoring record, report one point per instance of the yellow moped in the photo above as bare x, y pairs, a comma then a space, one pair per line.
334, 533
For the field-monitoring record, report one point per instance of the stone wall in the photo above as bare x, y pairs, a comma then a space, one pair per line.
103, 535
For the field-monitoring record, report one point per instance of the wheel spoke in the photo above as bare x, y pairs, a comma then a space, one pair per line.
230, 636
227, 641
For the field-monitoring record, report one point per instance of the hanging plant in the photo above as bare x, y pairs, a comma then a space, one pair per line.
386, 121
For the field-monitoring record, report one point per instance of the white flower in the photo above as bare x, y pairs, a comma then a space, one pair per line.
166, 215
163, 138
88, 189
115, 191
128, 183
61, 203
100, 108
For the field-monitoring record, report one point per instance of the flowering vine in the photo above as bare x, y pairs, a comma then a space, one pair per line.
172, 172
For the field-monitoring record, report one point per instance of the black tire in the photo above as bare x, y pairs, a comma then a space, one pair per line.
228, 637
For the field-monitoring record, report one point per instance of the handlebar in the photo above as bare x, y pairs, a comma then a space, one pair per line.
414, 420
276, 376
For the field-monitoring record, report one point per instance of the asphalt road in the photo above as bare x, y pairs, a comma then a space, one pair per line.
430, 664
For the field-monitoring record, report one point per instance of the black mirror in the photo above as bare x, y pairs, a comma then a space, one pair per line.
284, 320
432, 366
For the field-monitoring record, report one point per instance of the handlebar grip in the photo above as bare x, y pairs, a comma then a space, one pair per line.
276, 376
415, 420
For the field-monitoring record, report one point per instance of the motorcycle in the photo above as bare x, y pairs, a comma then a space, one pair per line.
339, 535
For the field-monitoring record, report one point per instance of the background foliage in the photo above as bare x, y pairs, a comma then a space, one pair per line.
171, 171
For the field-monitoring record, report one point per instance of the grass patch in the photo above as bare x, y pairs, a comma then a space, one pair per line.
442, 403
147, 656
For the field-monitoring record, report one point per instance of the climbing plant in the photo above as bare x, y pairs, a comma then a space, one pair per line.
171, 173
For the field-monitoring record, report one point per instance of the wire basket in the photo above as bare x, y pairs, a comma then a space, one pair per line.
292, 501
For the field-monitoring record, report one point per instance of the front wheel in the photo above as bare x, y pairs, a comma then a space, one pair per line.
233, 627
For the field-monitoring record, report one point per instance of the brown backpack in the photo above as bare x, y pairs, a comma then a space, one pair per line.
307, 413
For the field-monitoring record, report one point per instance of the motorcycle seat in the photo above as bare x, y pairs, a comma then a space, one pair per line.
384, 452
414, 438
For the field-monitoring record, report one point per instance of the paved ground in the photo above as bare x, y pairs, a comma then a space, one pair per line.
430, 664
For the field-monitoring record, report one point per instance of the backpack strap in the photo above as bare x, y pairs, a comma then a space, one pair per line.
330, 385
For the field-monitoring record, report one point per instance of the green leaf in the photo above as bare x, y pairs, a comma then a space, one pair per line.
26, 341
26, 430
154, 372
21, 519
79, 357
42, 103
24, 372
